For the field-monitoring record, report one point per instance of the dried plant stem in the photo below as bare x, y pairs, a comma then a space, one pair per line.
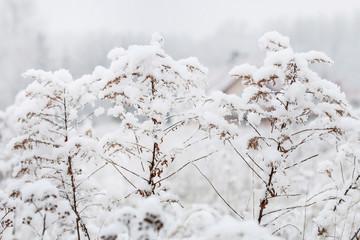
152, 168
346, 192
186, 164
217, 192
70, 172
304, 226
356, 235
295, 164
265, 200
290, 208
287, 225
246, 161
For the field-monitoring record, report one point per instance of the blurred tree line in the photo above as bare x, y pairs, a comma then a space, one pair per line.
24, 45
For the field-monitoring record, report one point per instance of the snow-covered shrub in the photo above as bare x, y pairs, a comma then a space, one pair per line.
56, 158
298, 119
151, 94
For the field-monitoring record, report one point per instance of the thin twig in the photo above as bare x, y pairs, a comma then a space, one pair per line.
287, 225
289, 208
172, 174
135, 174
207, 179
302, 161
124, 176
88, 177
315, 195
277, 217
254, 162
252, 127
312, 129
246, 161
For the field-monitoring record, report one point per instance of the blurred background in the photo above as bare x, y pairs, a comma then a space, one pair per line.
77, 35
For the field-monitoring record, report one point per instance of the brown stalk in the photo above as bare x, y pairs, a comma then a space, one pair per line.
269, 190
73, 186
356, 235
295, 164
346, 192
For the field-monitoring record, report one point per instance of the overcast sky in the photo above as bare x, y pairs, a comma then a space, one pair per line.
192, 18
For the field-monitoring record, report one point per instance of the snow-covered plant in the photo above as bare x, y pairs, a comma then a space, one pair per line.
3, 142
7, 209
153, 220
151, 94
8, 130
8, 161
56, 157
295, 133
143, 222
296, 117
339, 216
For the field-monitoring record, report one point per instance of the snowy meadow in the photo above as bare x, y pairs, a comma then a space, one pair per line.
139, 150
